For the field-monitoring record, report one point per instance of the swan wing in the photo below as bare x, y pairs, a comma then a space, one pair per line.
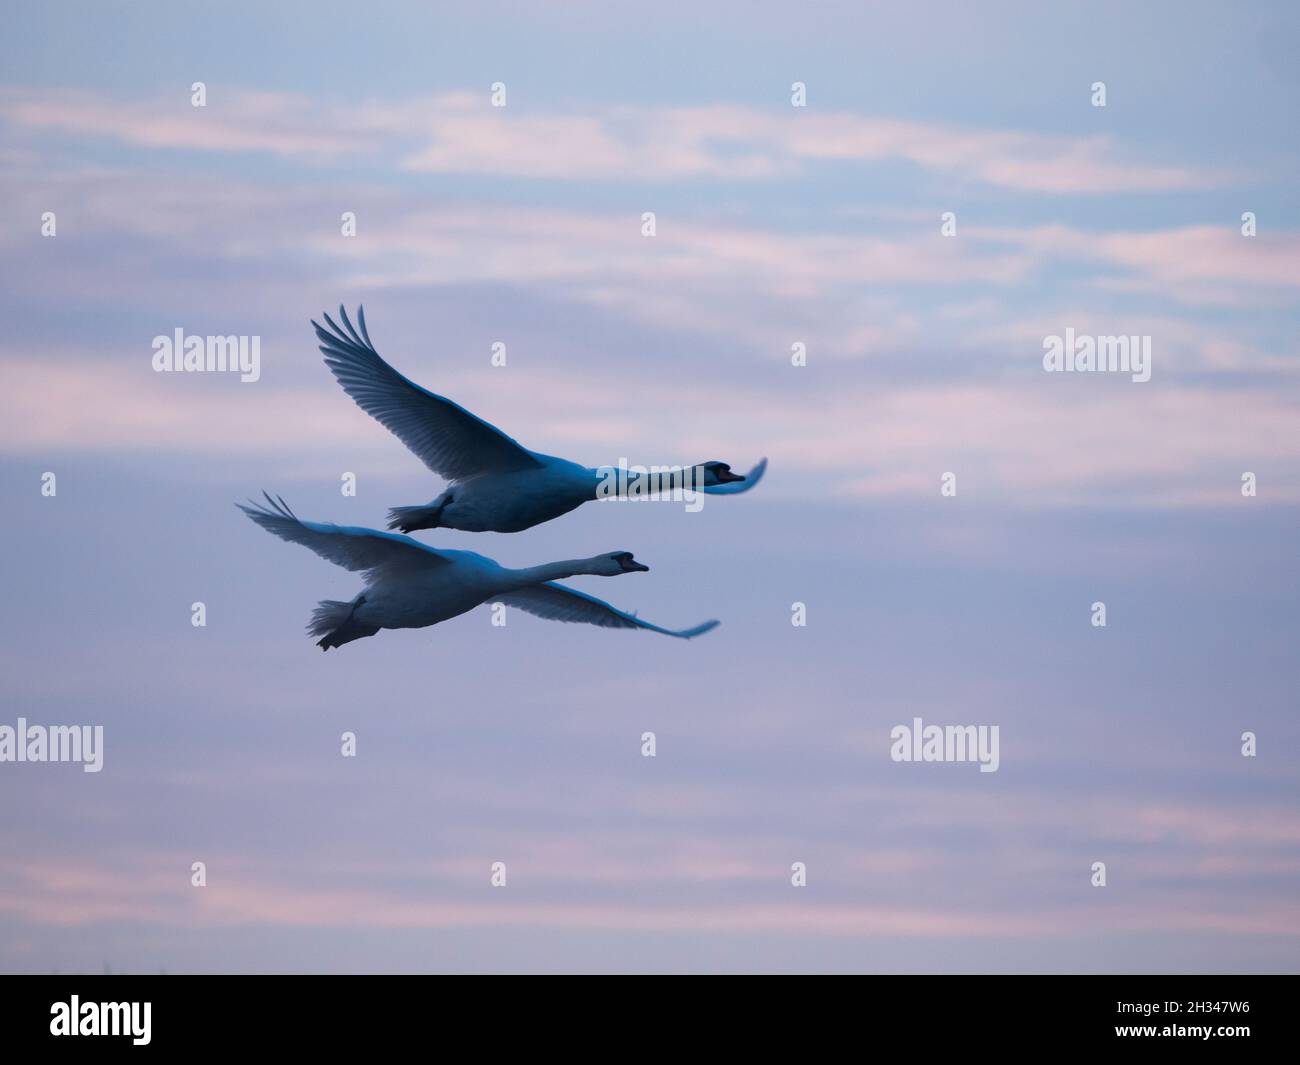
365, 550
734, 488
556, 602
446, 437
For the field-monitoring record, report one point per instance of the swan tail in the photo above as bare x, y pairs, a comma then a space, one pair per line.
335, 624
408, 519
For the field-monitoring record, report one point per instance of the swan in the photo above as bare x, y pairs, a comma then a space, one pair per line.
497, 484
409, 585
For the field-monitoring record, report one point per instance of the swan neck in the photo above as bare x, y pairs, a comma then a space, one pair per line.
550, 571
622, 481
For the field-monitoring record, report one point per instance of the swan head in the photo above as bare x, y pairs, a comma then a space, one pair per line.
718, 473
617, 562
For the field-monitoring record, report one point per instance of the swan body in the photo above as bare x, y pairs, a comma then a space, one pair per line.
497, 484
504, 502
410, 585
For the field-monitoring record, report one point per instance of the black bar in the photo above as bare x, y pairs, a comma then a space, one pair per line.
1245, 1014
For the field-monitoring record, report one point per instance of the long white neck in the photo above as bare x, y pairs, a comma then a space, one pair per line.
618, 481
550, 571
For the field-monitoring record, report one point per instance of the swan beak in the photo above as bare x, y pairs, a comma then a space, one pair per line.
728, 477
633, 566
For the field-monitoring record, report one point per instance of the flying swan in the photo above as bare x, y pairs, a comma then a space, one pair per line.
497, 484
409, 585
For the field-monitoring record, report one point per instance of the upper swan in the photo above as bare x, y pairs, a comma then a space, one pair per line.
497, 484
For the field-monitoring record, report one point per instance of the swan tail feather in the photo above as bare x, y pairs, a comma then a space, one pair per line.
407, 519
333, 621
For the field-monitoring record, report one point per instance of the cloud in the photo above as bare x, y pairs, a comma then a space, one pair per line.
1190, 264
461, 133
242, 121
1193, 259
1023, 162
679, 878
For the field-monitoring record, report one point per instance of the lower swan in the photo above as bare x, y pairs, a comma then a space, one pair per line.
410, 585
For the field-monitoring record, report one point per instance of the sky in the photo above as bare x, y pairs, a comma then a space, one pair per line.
778, 229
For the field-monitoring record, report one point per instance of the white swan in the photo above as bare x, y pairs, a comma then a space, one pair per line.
498, 485
410, 585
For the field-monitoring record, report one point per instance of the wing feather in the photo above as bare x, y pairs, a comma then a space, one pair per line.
447, 438
556, 602
356, 549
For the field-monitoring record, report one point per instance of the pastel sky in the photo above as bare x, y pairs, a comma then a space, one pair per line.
775, 226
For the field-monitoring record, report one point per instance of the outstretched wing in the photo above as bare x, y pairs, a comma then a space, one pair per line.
446, 437
734, 488
365, 550
559, 603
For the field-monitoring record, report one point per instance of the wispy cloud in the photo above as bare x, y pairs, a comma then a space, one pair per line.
689, 879
461, 133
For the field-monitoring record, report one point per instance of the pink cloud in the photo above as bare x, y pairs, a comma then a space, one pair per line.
462, 133
242, 121
155, 889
